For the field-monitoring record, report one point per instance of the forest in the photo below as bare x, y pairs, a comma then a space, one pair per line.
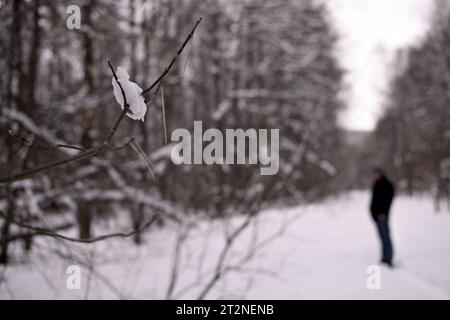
82, 180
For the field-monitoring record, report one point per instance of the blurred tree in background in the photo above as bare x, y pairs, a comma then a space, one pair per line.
413, 136
251, 64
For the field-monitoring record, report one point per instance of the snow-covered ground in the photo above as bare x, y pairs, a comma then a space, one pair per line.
323, 253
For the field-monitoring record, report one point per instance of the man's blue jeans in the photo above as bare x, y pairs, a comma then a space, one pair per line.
386, 243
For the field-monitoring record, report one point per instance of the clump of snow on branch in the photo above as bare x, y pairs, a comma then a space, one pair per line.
132, 94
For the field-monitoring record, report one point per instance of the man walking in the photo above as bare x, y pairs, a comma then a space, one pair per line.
382, 196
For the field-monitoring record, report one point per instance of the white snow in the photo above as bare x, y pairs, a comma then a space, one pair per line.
323, 254
132, 95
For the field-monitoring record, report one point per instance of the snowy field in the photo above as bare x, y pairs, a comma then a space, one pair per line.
323, 253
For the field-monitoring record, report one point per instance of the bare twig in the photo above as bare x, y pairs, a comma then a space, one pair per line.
47, 232
123, 146
32, 233
187, 60
155, 94
99, 275
200, 264
125, 104
91, 266
44, 147
25, 174
220, 268
105, 145
172, 62
163, 106
126, 107
137, 148
83, 155
176, 261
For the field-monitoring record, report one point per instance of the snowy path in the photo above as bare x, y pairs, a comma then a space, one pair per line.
322, 255
331, 247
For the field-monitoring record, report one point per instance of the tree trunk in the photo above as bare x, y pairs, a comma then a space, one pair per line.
84, 218
4, 243
85, 210
34, 57
137, 216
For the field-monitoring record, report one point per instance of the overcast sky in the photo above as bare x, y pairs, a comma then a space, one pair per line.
371, 32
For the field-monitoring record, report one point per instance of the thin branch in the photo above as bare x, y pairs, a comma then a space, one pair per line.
99, 275
125, 104
154, 94
126, 107
83, 155
176, 261
187, 60
123, 146
91, 266
105, 145
19, 176
163, 106
166, 71
221, 269
253, 209
114, 127
200, 264
41, 146
33, 233
51, 233
137, 148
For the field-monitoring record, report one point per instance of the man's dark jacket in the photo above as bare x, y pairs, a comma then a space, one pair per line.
382, 195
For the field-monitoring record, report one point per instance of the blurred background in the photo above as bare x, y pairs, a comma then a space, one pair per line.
349, 83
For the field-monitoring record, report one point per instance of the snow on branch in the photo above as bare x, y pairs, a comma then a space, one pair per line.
105, 145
